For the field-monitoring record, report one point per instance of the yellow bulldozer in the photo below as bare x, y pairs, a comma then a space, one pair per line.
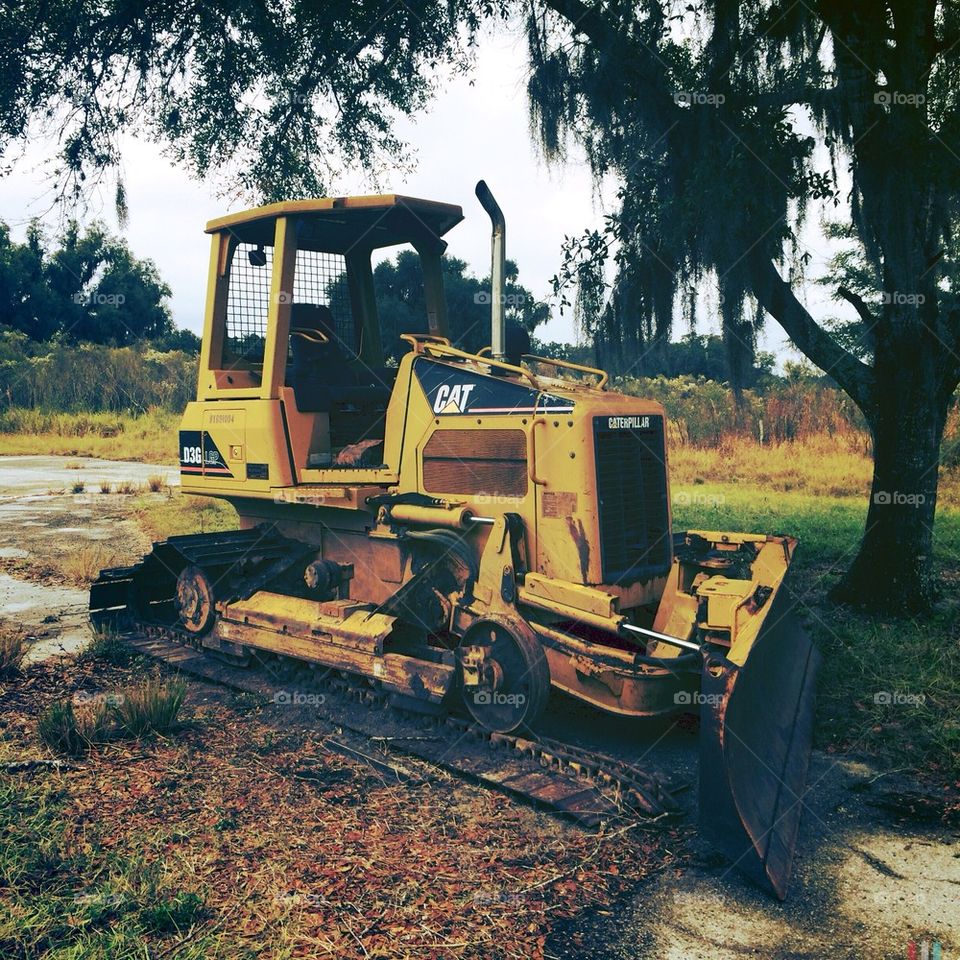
465, 530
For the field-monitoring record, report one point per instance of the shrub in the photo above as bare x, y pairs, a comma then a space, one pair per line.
93, 379
78, 486
105, 486
12, 651
156, 482
84, 565
173, 915
73, 731
150, 708
107, 645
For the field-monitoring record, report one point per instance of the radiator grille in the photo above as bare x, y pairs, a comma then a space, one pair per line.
489, 463
635, 540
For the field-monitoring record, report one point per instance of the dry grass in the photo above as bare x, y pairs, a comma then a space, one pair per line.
818, 466
83, 566
156, 482
12, 651
149, 438
73, 465
105, 486
78, 486
127, 487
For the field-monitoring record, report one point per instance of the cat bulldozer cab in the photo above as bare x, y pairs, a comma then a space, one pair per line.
468, 530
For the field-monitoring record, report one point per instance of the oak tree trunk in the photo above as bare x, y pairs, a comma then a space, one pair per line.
893, 569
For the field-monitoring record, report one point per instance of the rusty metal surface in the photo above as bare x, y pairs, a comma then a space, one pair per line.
756, 726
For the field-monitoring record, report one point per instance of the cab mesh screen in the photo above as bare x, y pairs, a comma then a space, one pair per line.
319, 278
248, 296
322, 278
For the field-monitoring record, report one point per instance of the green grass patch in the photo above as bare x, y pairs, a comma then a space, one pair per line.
150, 708
66, 898
180, 514
887, 686
73, 731
109, 647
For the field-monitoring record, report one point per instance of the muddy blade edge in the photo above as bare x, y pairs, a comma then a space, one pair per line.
756, 729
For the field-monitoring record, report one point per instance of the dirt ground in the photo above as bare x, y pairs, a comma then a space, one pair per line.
868, 879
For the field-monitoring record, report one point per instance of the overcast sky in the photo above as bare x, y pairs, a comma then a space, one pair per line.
473, 131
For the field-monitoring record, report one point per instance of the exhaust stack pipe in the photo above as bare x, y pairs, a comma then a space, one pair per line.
497, 270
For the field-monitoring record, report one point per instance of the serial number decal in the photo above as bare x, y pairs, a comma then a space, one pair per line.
628, 423
558, 504
221, 417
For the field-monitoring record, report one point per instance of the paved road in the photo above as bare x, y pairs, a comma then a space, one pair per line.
41, 519
20, 476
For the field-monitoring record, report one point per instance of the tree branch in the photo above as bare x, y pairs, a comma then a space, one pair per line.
775, 296
639, 60
857, 302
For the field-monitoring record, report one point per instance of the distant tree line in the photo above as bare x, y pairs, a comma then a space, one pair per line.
84, 285
695, 355
398, 286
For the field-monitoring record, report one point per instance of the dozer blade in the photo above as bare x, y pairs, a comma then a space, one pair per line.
756, 723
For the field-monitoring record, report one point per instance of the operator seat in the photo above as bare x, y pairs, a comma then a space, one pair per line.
319, 366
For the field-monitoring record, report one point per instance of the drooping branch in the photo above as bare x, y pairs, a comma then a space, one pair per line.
634, 58
776, 297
